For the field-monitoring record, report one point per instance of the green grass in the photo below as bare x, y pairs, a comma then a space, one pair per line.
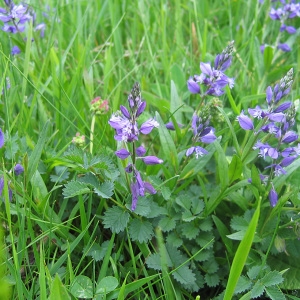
100, 48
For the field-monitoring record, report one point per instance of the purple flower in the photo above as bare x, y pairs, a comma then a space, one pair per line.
171, 126
2, 140
140, 151
213, 77
273, 197
152, 160
288, 160
199, 151
289, 137
15, 50
122, 153
284, 47
147, 127
193, 86
41, 27
245, 122
18, 169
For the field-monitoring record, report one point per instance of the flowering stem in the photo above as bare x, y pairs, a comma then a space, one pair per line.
92, 133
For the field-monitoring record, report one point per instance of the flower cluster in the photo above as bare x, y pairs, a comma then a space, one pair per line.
213, 78
15, 18
202, 133
284, 12
99, 106
127, 130
276, 122
78, 140
18, 169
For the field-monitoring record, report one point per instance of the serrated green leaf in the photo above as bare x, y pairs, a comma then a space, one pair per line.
187, 216
243, 284
275, 293
212, 280
184, 275
106, 285
189, 230
257, 290
91, 179
176, 257
272, 278
184, 200
82, 287
74, 154
156, 210
253, 272
204, 238
58, 290
75, 188
203, 255
197, 206
206, 224
97, 252
166, 193
235, 168
153, 261
239, 223
116, 219
167, 224
105, 190
140, 230
174, 240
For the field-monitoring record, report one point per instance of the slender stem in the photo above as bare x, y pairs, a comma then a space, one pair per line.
92, 133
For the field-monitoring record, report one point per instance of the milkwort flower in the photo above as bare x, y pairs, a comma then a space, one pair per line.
127, 130
213, 77
15, 17
276, 122
285, 11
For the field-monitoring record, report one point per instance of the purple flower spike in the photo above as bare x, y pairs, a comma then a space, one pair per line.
284, 47
193, 86
18, 169
122, 153
152, 160
245, 122
1, 138
273, 197
147, 127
